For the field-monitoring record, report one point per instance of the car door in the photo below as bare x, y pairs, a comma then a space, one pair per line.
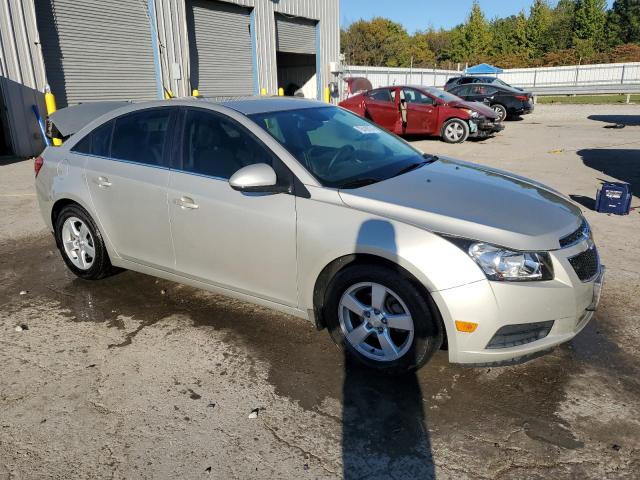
380, 106
127, 176
422, 114
245, 242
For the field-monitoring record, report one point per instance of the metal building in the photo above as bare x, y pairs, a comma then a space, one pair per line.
91, 50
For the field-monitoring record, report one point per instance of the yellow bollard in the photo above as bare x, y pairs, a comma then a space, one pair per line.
168, 94
327, 95
281, 92
195, 92
263, 91
50, 102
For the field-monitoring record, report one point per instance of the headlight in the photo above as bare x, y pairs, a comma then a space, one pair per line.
473, 113
501, 264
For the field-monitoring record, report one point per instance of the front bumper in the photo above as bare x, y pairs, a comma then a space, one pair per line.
484, 128
566, 300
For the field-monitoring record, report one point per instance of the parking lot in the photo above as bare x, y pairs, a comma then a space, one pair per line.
134, 377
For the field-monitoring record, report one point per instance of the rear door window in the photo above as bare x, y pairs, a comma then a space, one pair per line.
462, 91
141, 136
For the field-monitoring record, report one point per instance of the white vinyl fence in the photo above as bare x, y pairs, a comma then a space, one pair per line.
603, 78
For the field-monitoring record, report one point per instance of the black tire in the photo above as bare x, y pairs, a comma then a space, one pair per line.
457, 124
428, 331
101, 266
501, 111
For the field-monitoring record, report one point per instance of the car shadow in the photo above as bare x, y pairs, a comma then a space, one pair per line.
586, 202
383, 426
9, 159
631, 120
621, 164
384, 432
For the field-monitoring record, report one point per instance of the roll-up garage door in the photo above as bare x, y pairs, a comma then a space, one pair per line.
220, 49
97, 50
295, 35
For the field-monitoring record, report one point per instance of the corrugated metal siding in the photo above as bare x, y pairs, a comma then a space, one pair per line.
174, 46
22, 72
20, 58
91, 53
326, 12
295, 35
220, 48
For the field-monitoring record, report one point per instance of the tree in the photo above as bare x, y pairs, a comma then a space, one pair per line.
560, 31
511, 46
420, 50
623, 22
590, 19
473, 42
378, 42
538, 24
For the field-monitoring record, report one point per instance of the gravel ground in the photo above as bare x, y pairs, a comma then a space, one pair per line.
134, 377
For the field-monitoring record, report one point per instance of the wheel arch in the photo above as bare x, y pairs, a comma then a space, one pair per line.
335, 266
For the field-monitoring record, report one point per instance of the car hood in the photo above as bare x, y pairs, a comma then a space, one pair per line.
479, 107
472, 201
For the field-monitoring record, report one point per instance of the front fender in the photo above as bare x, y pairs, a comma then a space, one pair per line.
327, 232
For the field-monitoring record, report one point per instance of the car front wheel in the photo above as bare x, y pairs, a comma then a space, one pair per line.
455, 131
379, 316
501, 112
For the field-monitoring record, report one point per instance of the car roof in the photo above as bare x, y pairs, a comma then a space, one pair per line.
70, 120
251, 105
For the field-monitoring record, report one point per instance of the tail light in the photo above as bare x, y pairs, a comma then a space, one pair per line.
523, 98
37, 164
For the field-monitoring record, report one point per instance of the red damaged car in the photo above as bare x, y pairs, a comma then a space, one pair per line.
412, 110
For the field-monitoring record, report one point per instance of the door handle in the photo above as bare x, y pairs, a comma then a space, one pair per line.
103, 182
186, 202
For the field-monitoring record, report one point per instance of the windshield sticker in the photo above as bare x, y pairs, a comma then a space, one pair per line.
366, 129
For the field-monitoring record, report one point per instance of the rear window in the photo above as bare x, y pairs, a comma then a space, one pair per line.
141, 136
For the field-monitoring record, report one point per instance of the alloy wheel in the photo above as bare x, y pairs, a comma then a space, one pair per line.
454, 131
376, 322
500, 112
78, 243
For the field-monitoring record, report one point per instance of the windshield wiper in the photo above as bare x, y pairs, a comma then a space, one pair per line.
361, 182
414, 166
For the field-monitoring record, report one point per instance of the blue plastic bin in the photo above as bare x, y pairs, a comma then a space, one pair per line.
614, 197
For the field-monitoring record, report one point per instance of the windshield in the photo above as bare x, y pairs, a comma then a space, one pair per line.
339, 148
442, 95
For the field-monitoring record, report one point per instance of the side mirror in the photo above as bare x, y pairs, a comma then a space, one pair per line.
258, 177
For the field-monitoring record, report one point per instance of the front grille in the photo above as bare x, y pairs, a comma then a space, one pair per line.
586, 264
514, 335
581, 233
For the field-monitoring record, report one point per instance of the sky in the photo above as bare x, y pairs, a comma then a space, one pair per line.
422, 14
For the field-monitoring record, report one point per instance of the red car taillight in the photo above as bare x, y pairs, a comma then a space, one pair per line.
37, 164
523, 98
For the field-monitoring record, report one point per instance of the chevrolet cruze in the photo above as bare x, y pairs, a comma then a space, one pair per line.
311, 210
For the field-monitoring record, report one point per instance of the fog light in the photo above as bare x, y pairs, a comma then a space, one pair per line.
466, 327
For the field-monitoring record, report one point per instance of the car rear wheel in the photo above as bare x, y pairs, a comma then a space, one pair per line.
500, 110
379, 317
81, 244
455, 131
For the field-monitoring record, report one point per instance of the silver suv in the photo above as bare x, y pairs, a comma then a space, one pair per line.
308, 209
